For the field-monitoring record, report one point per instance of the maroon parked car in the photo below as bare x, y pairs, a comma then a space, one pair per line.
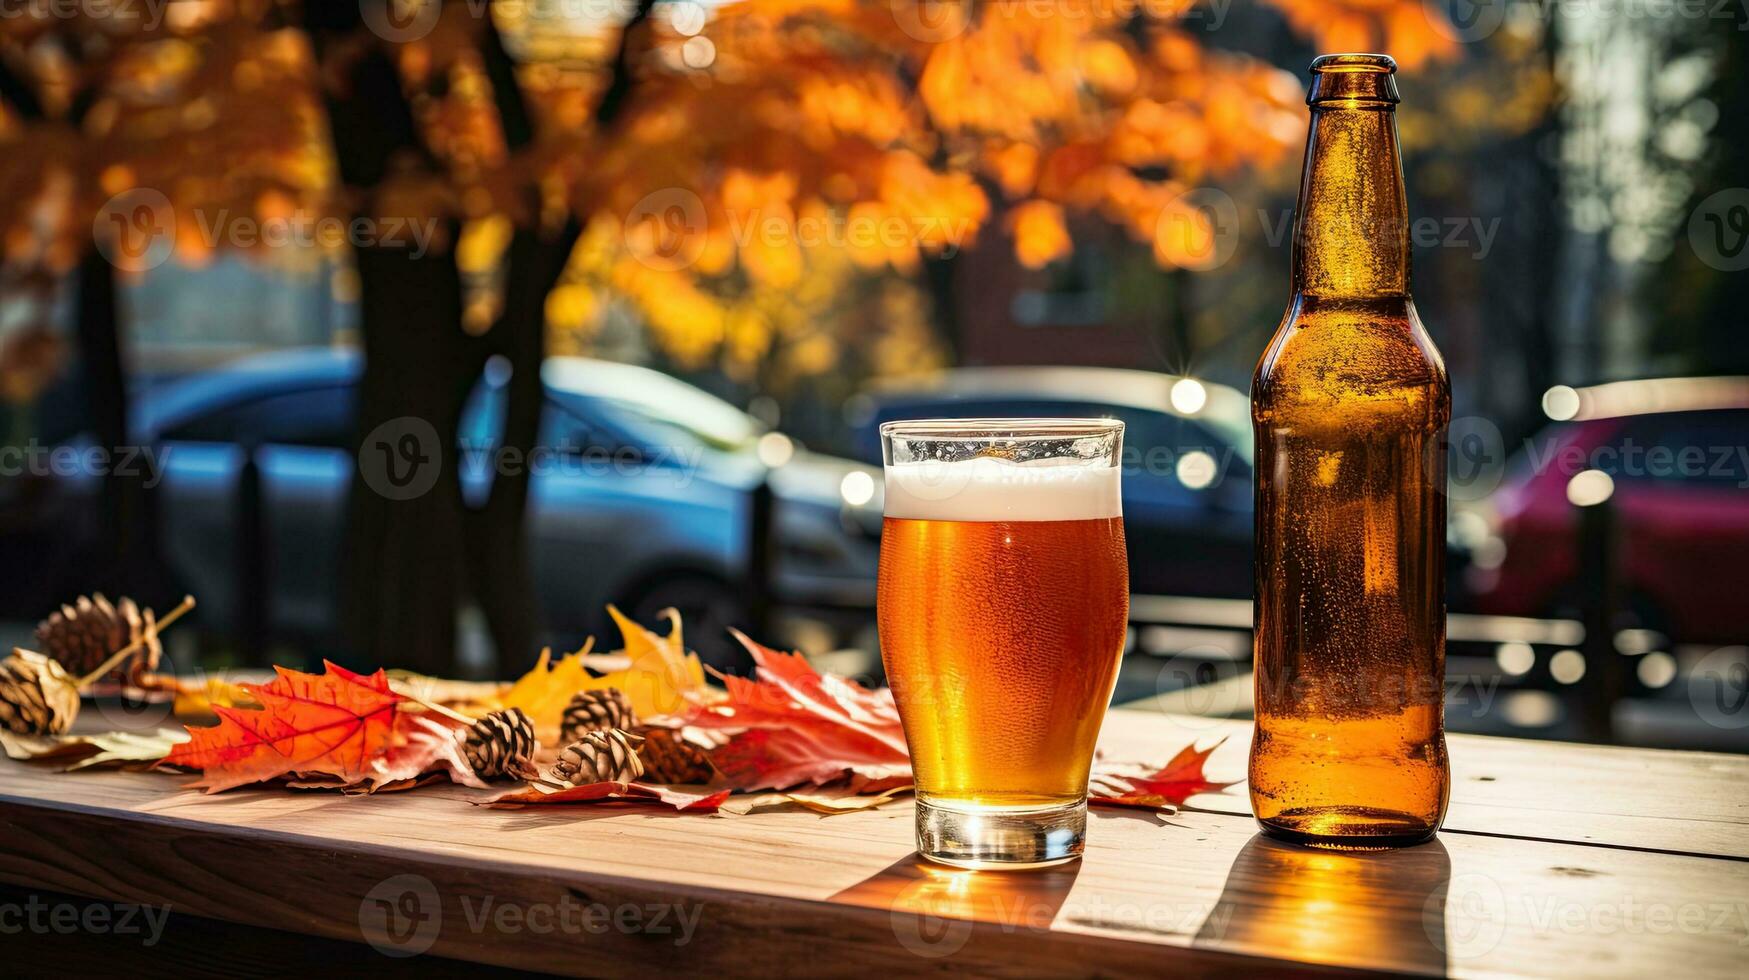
1672, 457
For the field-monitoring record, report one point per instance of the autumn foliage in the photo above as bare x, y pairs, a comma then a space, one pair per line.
836, 745
766, 145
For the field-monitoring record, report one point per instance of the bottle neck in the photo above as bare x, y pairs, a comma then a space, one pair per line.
1351, 228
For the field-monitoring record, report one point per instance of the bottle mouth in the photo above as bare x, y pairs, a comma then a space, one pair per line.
1359, 80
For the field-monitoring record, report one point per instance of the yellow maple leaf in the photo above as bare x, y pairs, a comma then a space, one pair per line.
659, 673
195, 699
657, 676
543, 692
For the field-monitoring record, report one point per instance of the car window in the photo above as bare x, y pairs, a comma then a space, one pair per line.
662, 411
562, 428
666, 424
565, 427
1688, 447
321, 416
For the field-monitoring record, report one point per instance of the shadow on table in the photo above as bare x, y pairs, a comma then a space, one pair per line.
1379, 909
933, 906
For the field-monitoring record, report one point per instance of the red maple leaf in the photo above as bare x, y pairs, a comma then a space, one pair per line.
336, 724
1175, 782
793, 725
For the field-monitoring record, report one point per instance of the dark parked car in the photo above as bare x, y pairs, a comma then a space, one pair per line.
1186, 464
643, 500
1672, 457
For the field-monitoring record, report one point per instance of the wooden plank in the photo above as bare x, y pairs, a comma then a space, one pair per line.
1685, 802
790, 892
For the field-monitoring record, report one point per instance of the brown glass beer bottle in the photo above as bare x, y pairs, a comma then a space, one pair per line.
1350, 405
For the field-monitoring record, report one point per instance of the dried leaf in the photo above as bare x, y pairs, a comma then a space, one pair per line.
443, 690
28, 747
1167, 788
338, 723
129, 749
692, 801
844, 800
106, 750
880, 779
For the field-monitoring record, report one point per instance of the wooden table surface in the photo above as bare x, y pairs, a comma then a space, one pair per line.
1555, 860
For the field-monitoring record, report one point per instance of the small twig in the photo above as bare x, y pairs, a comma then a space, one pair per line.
449, 713
148, 635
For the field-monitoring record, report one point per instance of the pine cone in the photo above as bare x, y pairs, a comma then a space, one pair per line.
669, 758
594, 711
502, 745
37, 696
83, 635
599, 757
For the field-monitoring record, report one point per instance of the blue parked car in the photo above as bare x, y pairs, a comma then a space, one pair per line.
642, 498
1186, 467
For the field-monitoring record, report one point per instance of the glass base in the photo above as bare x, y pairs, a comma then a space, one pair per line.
1001, 838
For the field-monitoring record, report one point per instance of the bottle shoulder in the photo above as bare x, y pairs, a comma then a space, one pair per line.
1330, 360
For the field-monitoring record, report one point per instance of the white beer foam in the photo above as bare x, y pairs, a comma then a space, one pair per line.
994, 489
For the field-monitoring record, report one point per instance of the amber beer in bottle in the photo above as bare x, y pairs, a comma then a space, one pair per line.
1350, 404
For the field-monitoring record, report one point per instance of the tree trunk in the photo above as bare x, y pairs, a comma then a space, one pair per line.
940, 273
403, 568
497, 538
125, 524
404, 557
125, 527
497, 533
410, 561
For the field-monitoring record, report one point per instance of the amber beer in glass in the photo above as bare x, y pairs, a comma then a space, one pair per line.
1350, 404
1004, 598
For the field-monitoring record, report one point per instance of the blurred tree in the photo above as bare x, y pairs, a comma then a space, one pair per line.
101, 116
1701, 287
737, 174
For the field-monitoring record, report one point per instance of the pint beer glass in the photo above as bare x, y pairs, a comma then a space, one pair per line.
1004, 597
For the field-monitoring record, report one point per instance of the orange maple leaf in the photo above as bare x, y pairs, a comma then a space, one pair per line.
337, 724
1175, 782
